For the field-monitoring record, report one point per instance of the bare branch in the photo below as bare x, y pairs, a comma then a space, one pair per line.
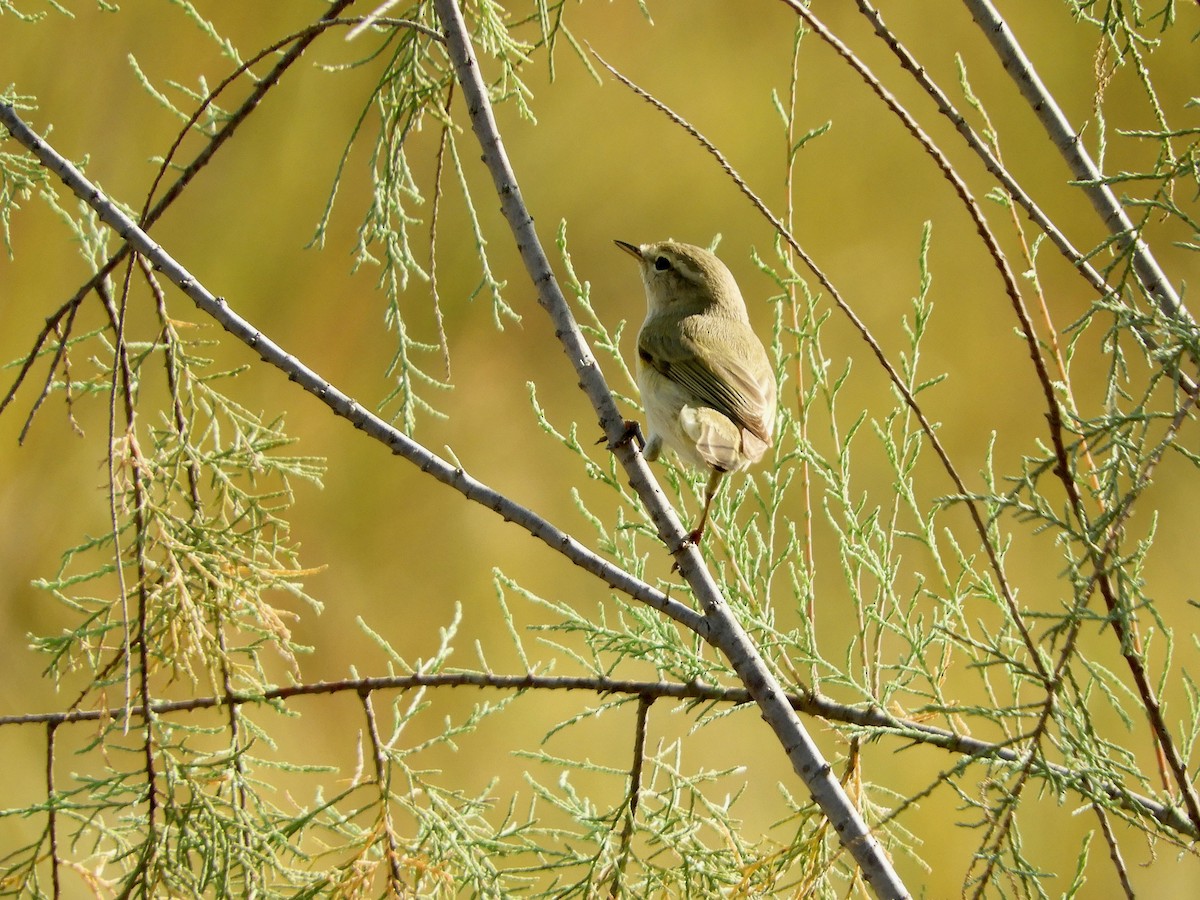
870, 722
341, 403
1067, 139
1018, 193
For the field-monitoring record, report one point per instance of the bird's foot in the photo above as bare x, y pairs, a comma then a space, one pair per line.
691, 539
632, 432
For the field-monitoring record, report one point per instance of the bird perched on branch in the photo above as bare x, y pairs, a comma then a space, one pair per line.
707, 384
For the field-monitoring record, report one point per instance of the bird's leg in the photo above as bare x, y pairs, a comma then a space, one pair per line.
710, 491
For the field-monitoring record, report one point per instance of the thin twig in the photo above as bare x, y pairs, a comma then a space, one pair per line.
52, 810
382, 783
433, 224
806, 475
872, 721
61, 356
635, 793
122, 387
1114, 852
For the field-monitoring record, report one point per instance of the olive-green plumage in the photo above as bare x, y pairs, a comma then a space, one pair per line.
706, 381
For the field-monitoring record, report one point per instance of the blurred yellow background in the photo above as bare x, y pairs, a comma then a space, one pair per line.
401, 551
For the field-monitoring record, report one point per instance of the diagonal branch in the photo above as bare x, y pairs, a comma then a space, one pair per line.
341, 403
724, 632
1020, 69
992, 163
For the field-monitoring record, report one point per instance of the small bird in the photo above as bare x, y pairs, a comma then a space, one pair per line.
707, 384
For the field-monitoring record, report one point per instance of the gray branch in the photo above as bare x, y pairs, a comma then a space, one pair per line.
1085, 171
1014, 189
341, 403
725, 632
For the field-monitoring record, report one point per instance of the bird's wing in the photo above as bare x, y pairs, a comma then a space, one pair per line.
722, 364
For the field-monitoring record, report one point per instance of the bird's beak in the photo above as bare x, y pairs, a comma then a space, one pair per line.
631, 249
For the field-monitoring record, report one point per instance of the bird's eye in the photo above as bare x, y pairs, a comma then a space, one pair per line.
662, 264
